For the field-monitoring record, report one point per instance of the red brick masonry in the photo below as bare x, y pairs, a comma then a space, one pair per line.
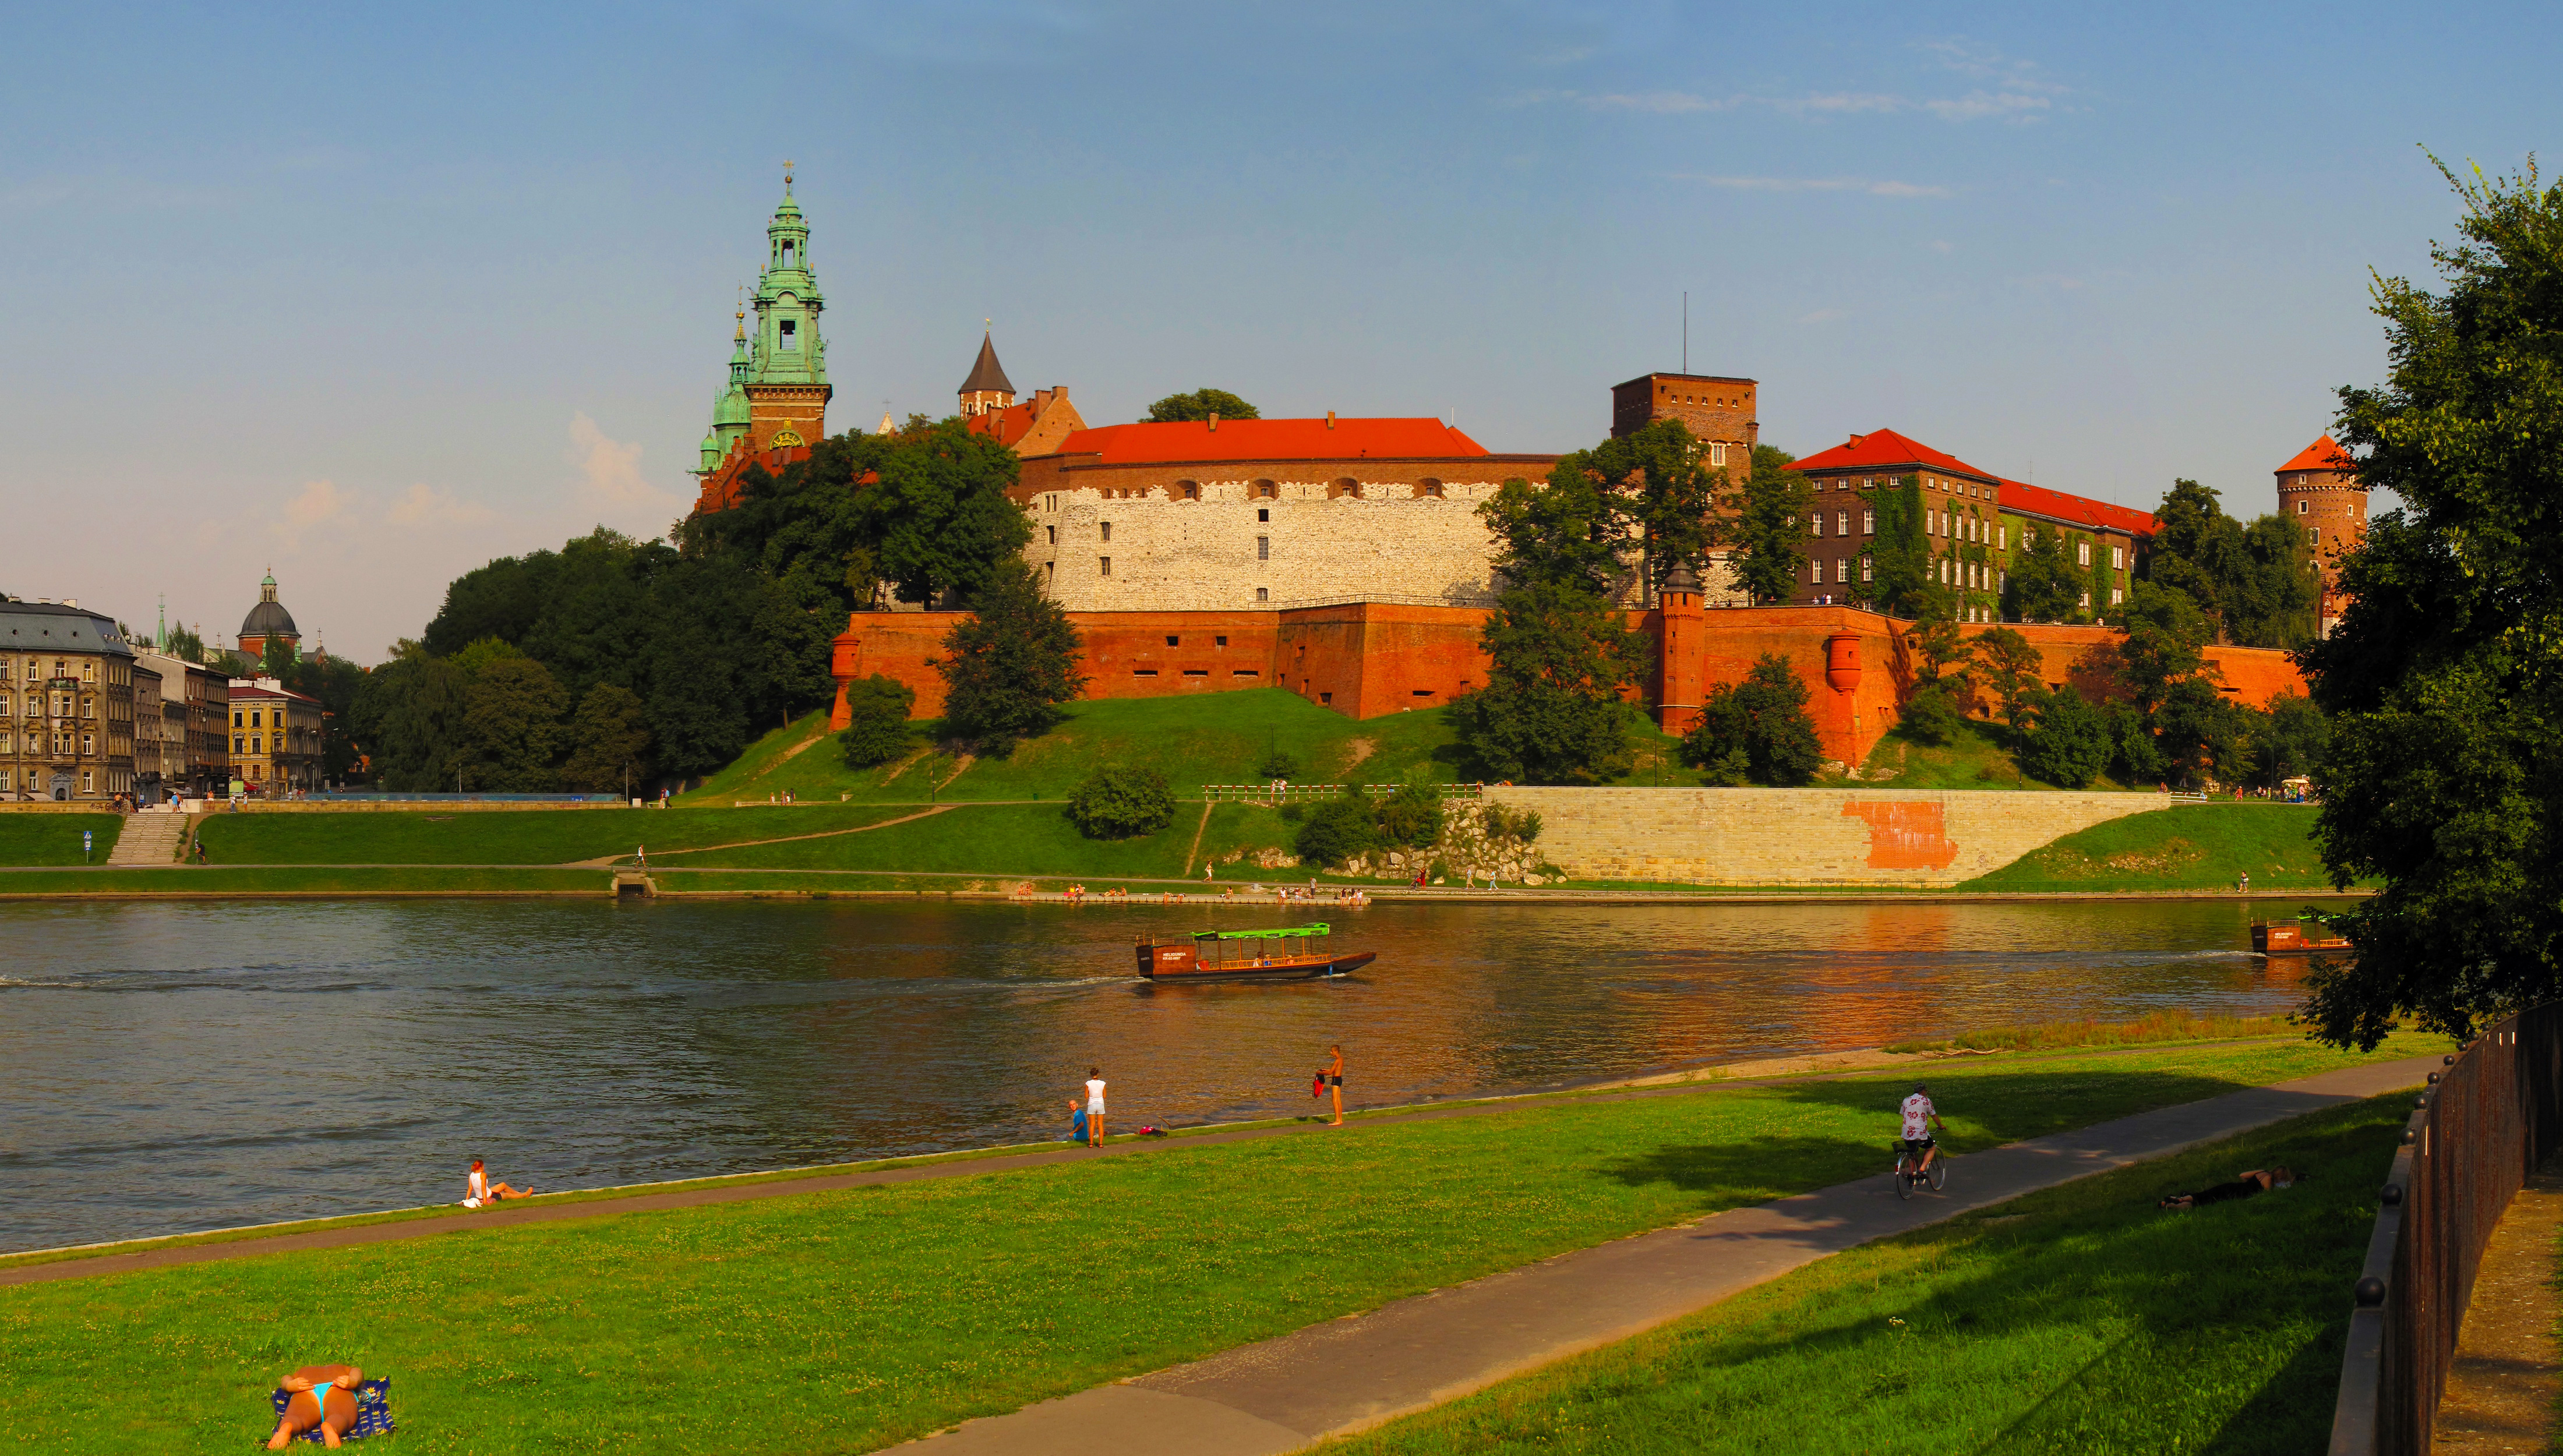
1366, 659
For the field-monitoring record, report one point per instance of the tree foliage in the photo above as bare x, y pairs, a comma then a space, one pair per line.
1411, 817
1900, 581
1758, 731
2069, 741
876, 731
609, 740
1767, 526
2010, 669
2444, 776
1122, 801
2256, 581
2044, 584
1201, 403
1551, 710
1008, 666
1336, 830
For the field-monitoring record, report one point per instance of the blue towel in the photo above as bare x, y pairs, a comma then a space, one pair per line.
373, 1411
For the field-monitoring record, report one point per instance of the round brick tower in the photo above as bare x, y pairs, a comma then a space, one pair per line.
1678, 647
2319, 490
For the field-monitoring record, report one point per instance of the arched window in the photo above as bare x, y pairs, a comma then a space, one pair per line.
1427, 488
1343, 486
1266, 491
1187, 490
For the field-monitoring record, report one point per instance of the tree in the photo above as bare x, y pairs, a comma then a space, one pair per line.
1757, 729
1768, 527
2166, 636
1666, 492
276, 659
2289, 739
1277, 765
1201, 403
2444, 677
1569, 534
938, 516
1336, 830
2256, 580
2045, 585
1898, 578
1122, 801
878, 707
1551, 710
2011, 669
609, 740
1008, 666
2069, 741
512, 726
1931, 714
1412, 816
410, 713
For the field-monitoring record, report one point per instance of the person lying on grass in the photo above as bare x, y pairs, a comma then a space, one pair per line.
2257, 1180
324, 1396
477, 1191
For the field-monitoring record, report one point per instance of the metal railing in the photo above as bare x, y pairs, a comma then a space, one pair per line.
2488, 1120
1305, 792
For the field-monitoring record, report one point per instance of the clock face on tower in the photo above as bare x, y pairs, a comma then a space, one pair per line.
788, 436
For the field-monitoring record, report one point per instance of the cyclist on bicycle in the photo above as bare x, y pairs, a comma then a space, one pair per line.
1920, 1118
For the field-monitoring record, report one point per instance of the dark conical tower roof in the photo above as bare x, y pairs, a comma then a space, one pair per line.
987, 376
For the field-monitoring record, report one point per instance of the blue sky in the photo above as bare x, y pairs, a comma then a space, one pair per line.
373, 298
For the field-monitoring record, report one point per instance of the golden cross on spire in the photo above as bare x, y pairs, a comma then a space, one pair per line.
787, 171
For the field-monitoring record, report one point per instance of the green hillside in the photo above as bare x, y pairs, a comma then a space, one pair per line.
55, 838
426, 835
2192, 847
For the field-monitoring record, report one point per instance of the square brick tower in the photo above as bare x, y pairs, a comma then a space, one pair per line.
2320, 491
1719, 408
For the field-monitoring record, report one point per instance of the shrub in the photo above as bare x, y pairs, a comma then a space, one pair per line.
1120, 802
879, 732
1336, 830
1009, 664
1763, 718
1510, 823
1412, 816
2069, 742
1931, 716
1277, 765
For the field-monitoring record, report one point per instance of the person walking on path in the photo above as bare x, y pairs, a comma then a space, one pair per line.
1335, 1083
1094, 1107
2243, 885
642, 853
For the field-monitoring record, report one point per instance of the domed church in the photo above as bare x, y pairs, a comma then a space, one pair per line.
269, 620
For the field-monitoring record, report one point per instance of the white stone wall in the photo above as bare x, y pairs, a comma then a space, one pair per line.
1176, 555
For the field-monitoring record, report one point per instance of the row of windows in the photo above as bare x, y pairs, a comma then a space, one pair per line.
58, 744
1341, 487
36, 781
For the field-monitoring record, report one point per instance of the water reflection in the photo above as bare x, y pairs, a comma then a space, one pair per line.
195, 1066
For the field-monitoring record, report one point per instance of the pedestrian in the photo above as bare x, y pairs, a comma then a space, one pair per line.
2243, 885
643, 854
1335, 1083
1094, 1107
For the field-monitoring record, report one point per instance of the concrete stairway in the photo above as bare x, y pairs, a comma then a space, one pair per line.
150, 838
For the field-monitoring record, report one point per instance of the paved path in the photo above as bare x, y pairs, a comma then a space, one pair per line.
2502, 1383
1354, 1372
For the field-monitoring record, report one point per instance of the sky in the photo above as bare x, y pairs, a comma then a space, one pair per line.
371, 296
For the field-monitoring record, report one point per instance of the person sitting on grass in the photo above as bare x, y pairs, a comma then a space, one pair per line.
2257, 1180
478, 1192
323, 1398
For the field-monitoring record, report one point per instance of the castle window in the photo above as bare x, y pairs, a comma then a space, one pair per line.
1107, 530
1427, 488
2082, 555
1868, 568
1188, 489
1233, 672
2117, 596
1264, 515
1143, 672
1266, 491
1263, 594
2301, 506
1054, 534
1219, 642
1174, 641
2117, 559
1264, 548
1718, 452
1108, 565
1868, 522
1818, 522
1842, 523
1816, 572
788, 328
1343, 486
1197, 673
2002, 538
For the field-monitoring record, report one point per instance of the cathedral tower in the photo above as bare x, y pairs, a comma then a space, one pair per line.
787, 369
987, 390
2319, 490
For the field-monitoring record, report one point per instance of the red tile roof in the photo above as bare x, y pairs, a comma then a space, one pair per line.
2074, 510
1885, 450
1270, 440
1008, 425
2322, 455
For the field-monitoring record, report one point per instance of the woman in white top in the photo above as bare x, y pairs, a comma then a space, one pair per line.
1094, 1107
477, 1191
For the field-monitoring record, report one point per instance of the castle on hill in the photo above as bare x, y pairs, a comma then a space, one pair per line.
1347, 560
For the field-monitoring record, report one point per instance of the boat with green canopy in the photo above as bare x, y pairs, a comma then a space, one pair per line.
1291, 953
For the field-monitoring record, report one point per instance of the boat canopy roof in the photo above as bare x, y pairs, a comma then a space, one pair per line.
1291, 932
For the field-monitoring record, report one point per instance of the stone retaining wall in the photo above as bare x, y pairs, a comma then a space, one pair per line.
1804, 836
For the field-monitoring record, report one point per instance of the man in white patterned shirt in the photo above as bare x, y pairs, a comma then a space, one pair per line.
1920, 1118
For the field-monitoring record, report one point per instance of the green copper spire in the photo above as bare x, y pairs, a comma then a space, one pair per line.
788, 348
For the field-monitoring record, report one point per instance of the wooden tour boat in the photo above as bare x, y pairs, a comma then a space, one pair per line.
2289, 940
1288, 953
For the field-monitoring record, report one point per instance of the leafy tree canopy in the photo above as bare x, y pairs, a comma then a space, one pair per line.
1122, 801
1757, 730
1008, 666
2256, 581
1551, 710
878, 708
1201, 403
2444, 776
1767, 526
2069, 742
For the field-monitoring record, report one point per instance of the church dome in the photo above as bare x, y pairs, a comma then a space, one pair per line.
269, 617
732, 409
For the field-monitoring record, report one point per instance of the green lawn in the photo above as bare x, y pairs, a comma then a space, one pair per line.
1016, 839
2081, 1319
1214, 738
184, 880
2194, 847
55, 838
1975, 759
890, 1312
428, 836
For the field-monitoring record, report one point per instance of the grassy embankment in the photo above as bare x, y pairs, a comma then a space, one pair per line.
2215, 1328
895, 1311
55, 838
2195, 846
1974, 758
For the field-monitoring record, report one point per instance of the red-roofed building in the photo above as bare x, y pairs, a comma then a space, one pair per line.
1223, 514
2319, 490
1034, 427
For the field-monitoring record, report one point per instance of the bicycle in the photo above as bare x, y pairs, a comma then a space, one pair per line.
1908, 1176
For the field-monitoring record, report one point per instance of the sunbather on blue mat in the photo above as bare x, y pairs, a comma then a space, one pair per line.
325, 1404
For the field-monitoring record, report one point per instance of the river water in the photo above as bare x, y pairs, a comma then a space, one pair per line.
173, 1067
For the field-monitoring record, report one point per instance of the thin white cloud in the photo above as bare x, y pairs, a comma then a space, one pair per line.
1657, 104
1839, 103
1825, 315
436, 506
1820, 184
1976, 105
319, 504
610, 470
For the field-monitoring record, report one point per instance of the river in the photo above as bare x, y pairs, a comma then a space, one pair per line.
184, 1066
